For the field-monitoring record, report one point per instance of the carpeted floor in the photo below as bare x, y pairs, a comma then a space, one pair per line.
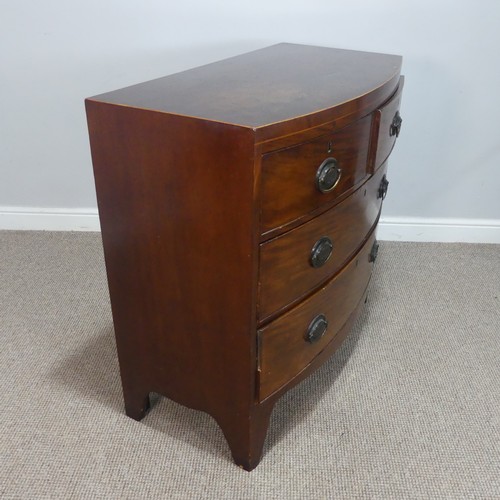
408, 408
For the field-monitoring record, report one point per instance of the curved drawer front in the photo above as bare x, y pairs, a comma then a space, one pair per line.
296, 262
297, 180
389, 120
284, 348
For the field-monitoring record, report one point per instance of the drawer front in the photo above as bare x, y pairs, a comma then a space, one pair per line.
291, 342
299, 179
389, 125
296, 262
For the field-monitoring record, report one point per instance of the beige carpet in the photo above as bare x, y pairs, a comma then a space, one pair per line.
408, 408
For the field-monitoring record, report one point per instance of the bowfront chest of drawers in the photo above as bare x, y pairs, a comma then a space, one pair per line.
238, 205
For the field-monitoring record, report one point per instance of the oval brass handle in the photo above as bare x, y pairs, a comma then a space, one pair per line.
328, 175
321, 251
396, 125
382, 189
317, 328
374, 252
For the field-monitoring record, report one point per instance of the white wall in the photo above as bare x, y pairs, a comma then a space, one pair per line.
446, 167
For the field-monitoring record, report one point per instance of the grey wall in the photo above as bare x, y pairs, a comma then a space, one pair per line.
55, 53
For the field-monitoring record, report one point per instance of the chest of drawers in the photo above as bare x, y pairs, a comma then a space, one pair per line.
238, 204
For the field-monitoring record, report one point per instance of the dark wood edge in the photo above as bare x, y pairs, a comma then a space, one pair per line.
372, 148
91, 100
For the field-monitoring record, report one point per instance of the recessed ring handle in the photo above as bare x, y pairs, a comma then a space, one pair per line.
328, 175
321, 251
317, 328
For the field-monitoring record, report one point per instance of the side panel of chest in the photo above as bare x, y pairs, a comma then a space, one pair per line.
179, 252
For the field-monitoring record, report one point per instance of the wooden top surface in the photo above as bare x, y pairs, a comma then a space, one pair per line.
266, 86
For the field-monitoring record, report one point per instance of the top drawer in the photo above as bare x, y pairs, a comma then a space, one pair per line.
299, 179
389, 122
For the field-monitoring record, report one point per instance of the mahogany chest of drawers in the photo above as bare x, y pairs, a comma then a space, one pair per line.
238, 204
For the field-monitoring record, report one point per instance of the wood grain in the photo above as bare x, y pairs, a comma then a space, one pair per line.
325, 354
185, 166
286, 84
288, 185
183, 307
283, 349
286, 274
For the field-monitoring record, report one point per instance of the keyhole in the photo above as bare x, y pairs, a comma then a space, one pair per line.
329, 146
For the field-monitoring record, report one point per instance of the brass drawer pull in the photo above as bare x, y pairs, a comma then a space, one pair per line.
321, 252
317, 328
328, 175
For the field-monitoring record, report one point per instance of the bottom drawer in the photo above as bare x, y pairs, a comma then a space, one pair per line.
291, 342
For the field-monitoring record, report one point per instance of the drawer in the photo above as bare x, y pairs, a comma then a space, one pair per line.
294, 263
288, 344
388, 120
297, 180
